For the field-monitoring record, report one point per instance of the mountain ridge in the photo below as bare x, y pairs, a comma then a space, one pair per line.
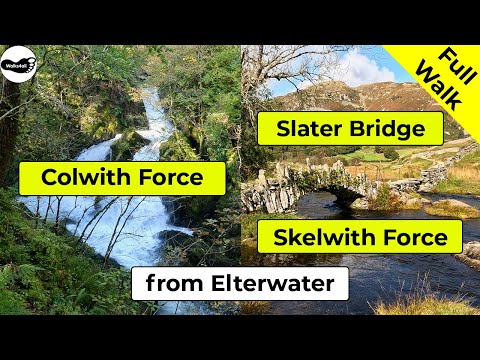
382, 96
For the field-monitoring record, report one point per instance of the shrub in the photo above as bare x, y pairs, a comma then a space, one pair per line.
177, 148
332, 160
354, 161
384, 199
50, 274
254, 157
391, 153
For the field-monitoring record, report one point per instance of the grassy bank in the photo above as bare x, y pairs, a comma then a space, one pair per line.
452, 208
45, 273
463, 177
422, 300
428, 304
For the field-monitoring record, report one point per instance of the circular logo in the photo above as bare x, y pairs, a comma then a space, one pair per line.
18, 64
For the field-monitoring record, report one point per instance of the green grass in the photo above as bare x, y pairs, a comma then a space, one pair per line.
443, 157
365, 156
460, 144
409, 151
471, 159
463, 177
456, 185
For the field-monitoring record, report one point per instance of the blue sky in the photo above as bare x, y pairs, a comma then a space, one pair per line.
368, 65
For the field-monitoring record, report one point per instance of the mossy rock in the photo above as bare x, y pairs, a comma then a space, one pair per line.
174, 237
190, 211
452, 208
177, 148
413, 204
127, 145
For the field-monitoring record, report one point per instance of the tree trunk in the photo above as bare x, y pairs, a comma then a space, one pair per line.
10, 98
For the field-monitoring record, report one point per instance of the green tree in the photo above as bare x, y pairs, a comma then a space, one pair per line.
200, 89
391, 153
263, 64
79, 95
9, 109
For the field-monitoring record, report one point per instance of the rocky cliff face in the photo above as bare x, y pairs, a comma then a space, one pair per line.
385, 96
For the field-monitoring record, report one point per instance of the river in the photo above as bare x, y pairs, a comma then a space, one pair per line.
145, 217
374, 277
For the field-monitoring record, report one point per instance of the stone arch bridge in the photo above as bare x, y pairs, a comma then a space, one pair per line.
281, 193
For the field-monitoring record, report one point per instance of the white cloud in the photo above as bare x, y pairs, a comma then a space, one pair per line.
357, 69
353, 67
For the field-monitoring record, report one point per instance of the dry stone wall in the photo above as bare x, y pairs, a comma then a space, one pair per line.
433, 175
281, 193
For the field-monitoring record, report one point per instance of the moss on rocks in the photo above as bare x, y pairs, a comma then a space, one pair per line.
177, 148
452, 208
127, 145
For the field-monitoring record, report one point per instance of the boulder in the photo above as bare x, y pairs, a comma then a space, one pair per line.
452, 208
413, 204
130, 142
360, 204
470, 254
425, 201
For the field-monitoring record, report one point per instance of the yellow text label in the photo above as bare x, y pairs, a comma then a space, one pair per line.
360, 236
350, 128
122, 178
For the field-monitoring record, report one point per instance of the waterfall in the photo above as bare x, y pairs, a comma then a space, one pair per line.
138, 243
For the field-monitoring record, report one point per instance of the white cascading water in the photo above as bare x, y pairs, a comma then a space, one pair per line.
138, 243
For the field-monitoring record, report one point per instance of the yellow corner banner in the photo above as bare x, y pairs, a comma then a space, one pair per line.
450, 75
122, 178
359, 237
